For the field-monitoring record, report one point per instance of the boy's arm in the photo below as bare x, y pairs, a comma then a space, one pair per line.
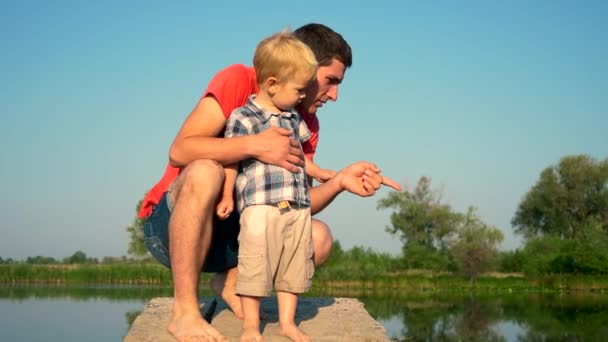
237, 126
230, 178
314, 171
226, 204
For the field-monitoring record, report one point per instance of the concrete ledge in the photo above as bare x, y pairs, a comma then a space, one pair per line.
324, 319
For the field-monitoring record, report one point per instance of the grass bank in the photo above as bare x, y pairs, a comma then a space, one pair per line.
406, 282
115, 274
483, 284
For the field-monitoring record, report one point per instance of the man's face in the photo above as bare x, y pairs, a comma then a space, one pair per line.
325, 88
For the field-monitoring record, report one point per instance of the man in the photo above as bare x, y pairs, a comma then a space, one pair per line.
182, 205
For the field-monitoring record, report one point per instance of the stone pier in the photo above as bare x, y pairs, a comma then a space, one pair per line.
324, 319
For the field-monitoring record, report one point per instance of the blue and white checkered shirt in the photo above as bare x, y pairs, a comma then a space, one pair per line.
259, 183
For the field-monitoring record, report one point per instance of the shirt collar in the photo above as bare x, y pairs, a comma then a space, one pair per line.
264, 114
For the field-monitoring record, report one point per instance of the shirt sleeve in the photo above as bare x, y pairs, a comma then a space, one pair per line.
232, 86
303, 131
237, 125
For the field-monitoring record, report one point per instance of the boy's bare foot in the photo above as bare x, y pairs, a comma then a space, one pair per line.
251, 334
192, 327
224, 285
294, 333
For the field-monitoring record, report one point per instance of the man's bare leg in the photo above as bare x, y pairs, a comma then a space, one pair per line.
322, 242
224, 285
287, 313
251, 319
193, 196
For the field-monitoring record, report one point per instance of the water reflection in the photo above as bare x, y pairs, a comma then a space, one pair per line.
95, 313
411, 317
521, 317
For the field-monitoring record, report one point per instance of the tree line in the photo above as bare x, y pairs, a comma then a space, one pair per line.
563, 220
78, 258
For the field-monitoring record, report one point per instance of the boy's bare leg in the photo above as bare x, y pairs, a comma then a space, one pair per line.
194, 195
224, 285
288, 303
251, 319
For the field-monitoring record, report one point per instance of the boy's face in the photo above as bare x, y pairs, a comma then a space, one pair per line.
291, 92
325, 88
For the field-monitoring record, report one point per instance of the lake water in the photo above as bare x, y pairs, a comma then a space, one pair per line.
105, 314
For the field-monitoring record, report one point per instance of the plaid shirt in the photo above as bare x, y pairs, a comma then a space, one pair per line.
259, 183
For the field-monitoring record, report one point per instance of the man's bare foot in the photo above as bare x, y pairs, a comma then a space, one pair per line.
251, 334
294, 333
192, 327
224, 285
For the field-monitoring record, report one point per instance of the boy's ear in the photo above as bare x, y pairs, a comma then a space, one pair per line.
271, 84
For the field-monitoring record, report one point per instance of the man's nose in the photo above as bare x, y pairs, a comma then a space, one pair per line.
332, 93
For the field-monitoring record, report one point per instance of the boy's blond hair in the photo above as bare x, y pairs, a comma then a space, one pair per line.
282, 55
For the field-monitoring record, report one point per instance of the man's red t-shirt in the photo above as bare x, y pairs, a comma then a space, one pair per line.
231, 88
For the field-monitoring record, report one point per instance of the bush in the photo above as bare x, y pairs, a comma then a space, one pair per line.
511, 261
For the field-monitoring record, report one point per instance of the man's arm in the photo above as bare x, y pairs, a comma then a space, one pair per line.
361, 178
198, 139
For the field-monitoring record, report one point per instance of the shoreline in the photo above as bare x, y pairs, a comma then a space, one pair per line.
153, 275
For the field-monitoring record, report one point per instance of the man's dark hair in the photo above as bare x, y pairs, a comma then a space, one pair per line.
326, 44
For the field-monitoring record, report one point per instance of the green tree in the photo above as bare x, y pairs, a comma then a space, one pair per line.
474, 243
40, 260
357, 263
79, 257
137, 247
565, 199
7, 261
422, 223
587, 254
590, 253
113, 260
511, 261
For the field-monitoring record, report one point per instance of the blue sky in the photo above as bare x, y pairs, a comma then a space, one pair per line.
480, 96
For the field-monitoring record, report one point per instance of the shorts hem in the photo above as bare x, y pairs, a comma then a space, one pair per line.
253, 289
293, 289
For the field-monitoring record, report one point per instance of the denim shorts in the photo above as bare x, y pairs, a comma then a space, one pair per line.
224, 249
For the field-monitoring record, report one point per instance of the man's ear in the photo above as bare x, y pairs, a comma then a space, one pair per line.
271, 84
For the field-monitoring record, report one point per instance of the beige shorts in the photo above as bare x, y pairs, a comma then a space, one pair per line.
275, 249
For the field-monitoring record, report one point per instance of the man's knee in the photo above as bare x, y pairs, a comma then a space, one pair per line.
203, 176
322, 241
